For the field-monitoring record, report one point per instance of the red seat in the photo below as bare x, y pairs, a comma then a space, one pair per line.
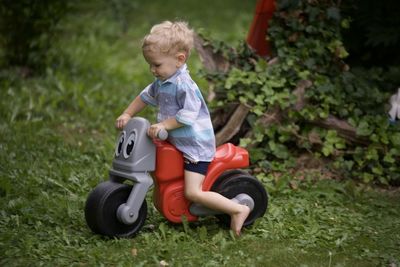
224, 152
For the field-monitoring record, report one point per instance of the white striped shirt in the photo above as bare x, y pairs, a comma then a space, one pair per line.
180, 97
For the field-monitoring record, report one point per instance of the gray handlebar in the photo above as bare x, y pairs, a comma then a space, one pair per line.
162, 135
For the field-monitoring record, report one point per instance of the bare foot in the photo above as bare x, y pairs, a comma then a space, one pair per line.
238, 219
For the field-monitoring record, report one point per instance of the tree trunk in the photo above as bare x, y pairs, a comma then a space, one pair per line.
233, 125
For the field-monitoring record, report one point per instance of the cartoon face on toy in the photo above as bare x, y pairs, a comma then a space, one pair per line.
134, 151
125, 147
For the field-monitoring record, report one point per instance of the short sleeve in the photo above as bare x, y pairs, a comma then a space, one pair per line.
189, 99
148, 95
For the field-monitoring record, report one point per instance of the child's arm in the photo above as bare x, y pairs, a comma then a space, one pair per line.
134, 107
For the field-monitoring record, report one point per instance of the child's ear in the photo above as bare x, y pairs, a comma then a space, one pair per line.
181, 59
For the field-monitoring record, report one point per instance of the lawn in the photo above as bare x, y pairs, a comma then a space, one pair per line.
57, 141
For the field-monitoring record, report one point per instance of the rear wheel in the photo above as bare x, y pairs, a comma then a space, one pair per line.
101, 210
225, 175
240, 182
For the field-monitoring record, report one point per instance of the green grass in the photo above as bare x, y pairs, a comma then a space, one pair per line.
57, 142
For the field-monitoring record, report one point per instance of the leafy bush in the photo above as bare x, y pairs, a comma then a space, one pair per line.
373, 38
26, 30
307, 41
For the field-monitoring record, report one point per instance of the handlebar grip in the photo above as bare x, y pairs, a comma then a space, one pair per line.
162, 135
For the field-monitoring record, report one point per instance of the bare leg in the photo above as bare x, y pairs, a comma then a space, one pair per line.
215, 201
238, 219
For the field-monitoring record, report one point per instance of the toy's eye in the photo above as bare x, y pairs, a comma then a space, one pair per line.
130, 144
118, 147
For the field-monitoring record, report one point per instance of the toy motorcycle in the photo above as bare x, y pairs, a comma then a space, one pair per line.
116, 208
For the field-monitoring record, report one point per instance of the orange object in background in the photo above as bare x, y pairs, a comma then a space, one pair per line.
259, 27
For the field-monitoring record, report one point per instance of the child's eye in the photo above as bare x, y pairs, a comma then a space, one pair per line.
157, 65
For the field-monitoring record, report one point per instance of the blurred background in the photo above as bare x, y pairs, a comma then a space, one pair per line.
88, 53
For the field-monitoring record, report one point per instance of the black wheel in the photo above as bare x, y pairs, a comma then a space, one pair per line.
101, 210
225, 175
237, 183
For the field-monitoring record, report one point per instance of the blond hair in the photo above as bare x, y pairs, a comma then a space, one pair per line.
169, 38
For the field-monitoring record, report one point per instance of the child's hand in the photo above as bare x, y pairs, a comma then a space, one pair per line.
122, 120
155, 129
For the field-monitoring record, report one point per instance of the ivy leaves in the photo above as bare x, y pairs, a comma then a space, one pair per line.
308, 46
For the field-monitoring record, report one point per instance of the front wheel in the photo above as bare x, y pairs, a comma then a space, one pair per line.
236, 183
101, 210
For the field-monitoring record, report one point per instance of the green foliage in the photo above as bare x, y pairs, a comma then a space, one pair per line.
27, 30
306, 36
373, 38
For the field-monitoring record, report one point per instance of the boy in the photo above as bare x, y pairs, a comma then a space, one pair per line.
182, 112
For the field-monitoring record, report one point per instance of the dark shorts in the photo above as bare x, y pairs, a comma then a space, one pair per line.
198, 167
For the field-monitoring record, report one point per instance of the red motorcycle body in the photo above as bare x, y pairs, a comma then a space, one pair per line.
169, 197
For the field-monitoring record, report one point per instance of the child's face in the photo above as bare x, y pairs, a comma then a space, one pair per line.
163, 66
